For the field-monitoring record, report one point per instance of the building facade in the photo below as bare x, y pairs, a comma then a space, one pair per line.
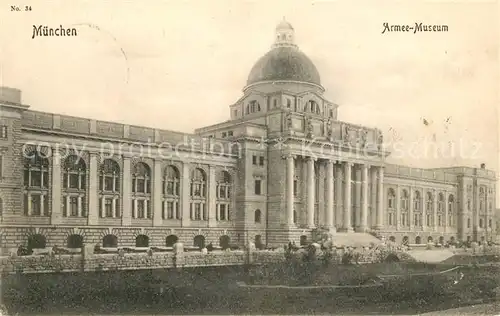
283, 167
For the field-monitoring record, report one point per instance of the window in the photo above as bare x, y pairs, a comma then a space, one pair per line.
254, 107
1, 207
391, 219
468, 223
223, 134
254, 160
224, 195
261, 161
258, 187
171, 193
74, 186
295, 188
109, 178
288, 103
198, 195
141, 191
230, 133
1, 166
257, 216
3, 132
489, 223
391, 196
480, 223
404, 200
275, 103
36, 183
417, 201
428, 202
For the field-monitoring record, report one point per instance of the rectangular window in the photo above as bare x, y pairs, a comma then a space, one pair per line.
254, 160
197, 211
109, 207
141, 186
170, 210
222, 212
140, 208
3, 132
230, 133
170, 188
1, 167
73, 203
261, 160
35, 205
108, 184
223, 134
163, 210
294, 187
73, 181
257, 187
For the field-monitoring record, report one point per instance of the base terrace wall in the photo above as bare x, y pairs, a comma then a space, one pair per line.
111, 262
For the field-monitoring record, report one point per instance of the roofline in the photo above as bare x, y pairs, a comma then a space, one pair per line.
282, 81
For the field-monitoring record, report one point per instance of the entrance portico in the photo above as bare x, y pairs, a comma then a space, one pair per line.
345, 195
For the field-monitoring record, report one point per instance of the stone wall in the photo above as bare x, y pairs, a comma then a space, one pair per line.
139, 261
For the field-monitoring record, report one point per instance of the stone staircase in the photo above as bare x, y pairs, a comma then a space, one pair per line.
354, 239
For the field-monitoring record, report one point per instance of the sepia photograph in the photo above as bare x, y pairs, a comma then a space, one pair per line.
222, 157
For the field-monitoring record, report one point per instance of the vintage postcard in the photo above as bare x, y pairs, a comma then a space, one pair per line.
249, 157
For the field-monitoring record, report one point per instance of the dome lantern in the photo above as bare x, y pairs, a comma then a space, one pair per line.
285, 35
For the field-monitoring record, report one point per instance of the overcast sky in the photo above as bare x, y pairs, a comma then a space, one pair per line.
180, 64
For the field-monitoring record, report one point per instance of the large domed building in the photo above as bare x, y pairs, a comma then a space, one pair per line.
282, 168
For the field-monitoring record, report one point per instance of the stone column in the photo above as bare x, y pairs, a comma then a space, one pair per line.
347, 197
398, 207
364, 199
338, 197
56, 214
330, 215
212, 192
435, 210
445, 211
79, 205
157, 192
357, 197
410, 209
380, 201
310, 192
93, 190
462, 225
185, 192
290, 199
373, 208
126, 193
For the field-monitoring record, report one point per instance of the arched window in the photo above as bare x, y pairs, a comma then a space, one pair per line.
74, 186
257, 216
142, 241
141, 178
74, 241
141, 191
440, 202
224, 242
451, 215
418, 240
428, 202
199, 241
171, 240
391, 197
37, 241
36, 183
482, 198
198, 195
417, 201
110, 241
224, 191
171, 193
404, 200
109, 186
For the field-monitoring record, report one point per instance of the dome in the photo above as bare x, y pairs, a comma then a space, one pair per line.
284, 25
284, 63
